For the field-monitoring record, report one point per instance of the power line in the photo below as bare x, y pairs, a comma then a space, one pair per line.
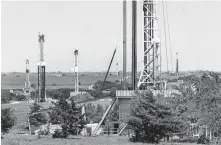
171, 57
165, 35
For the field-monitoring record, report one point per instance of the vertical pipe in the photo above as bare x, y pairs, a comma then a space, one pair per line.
145, 38
44, 94
77, 75
177, 65
154, 47
27, 70
41, 50
76, 71
41, 70
124, 43
29, 125
134, 44
38, 83
210, 135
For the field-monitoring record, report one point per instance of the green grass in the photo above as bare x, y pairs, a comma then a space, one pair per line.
99, 140
11, 81
20, 110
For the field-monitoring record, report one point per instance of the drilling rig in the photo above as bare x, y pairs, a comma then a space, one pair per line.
118, 72
27, 81
76, 71
177, 65
151, 70
41, 71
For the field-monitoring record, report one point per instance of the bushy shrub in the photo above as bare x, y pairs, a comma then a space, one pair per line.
7, 120
69, 115
203, 140
185, 140
62, 93
37, 119
151, 120
21, 97
64, 133
6, 96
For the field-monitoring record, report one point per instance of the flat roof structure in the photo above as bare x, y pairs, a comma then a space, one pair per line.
124, 99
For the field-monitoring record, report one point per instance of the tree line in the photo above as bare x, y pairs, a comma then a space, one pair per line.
156, 117
199, 101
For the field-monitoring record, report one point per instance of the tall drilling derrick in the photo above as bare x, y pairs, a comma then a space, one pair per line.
41, 71
118, 72
27, 81
177, 65
150, 73
76, 71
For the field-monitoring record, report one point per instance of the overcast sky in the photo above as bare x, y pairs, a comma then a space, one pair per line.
95, 29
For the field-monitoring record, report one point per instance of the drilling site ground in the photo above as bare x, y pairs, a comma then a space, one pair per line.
100, 140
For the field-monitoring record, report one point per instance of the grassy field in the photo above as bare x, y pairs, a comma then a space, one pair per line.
99, 140
16, 81
20, 110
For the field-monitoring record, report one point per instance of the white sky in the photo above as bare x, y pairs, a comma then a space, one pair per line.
95, 28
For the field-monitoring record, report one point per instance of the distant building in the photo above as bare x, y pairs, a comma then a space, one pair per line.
91, 87
80, 97
16, 93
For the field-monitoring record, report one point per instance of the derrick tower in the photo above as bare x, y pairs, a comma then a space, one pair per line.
177, 65
76, 71
41, 70
150, 72
118, 72
27, 81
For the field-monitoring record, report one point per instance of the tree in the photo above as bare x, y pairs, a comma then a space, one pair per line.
114, 114
62, 93
21, 97
200, 100
37, 119
152, 120
93, 113
6, 96
7, 120
68, 115
33, 86
113, 92
107, 85
99, 113
90, 112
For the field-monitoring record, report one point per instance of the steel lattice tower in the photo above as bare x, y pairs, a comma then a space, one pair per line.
41, 71
76, 71
27, 81
150, 73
